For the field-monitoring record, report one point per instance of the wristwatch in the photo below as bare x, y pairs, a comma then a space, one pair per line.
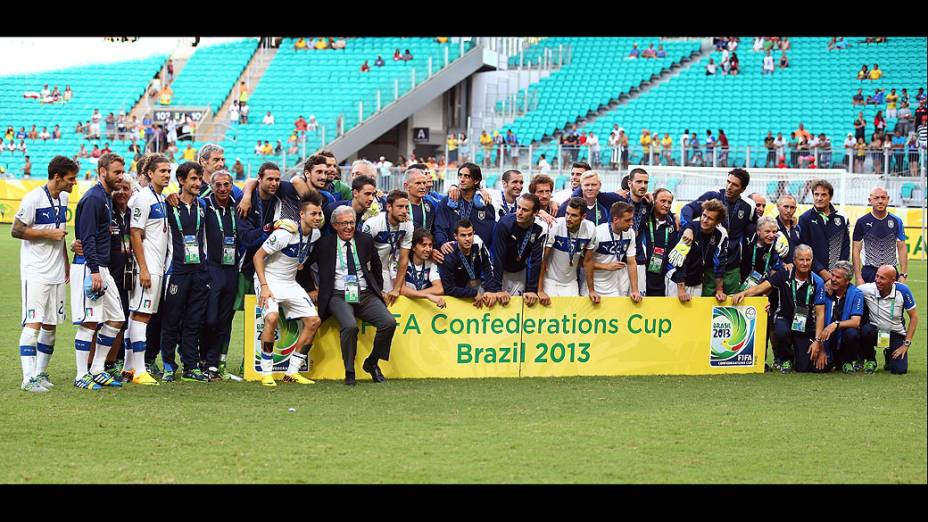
904, 274
907, 343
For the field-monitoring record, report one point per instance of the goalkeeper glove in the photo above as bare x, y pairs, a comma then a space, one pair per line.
781, 244
678, 255
286, 224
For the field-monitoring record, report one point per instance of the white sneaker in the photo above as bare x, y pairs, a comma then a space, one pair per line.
33, 386
42, 379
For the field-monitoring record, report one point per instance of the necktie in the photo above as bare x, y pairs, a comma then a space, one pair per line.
349, 256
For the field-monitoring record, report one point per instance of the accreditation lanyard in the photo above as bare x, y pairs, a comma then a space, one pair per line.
301, 255
808, 292
616, 251
506, 208
596, 208
343, 261
422, 206
653, 238
219, 216
161, 205
525, 242
56, 204
124, 238
471, 273
180, 227
572, 245
892, 311
421, 277
766, 261
393, 237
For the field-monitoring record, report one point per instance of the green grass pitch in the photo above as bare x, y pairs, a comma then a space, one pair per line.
767, 428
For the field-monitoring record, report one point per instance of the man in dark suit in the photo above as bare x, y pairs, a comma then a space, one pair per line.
350, 283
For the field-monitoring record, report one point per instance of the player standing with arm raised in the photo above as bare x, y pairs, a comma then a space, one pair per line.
41, 224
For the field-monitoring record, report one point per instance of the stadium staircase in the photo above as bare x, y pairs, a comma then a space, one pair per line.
214, 128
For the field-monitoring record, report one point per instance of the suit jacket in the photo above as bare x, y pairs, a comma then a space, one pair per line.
325, 255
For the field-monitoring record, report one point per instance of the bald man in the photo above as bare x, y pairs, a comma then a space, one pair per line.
885, 329
881, 237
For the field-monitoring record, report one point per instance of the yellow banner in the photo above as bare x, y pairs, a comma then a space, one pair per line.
571, 337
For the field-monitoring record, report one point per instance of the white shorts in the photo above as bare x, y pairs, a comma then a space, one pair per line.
145, 300
554, 289
890, 114
287, 295
42, 302
672, 291
106, 308
514, 282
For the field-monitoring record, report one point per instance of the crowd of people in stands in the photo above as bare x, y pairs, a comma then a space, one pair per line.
50, 96
648, 53
320, 43
397, 57
838, 43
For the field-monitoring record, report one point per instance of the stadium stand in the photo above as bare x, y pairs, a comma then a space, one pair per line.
211, 74
110, 88
328, 83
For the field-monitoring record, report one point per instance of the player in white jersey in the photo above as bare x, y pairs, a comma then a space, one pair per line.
392, 232
422, 278
276, 265
615, 272
150, 242
41, 224
504, 200
571, 242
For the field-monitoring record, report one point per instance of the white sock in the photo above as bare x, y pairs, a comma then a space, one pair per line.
27, 342
45, 346
137, 330
82, 341
296, 361
267, 363
105, 337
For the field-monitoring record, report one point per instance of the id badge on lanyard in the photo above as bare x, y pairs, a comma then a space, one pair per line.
882, 336
656, 261
800, 317
191, 250
352, 289
752, 280
228, 250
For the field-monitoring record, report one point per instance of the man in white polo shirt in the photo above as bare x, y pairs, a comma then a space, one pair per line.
885, 328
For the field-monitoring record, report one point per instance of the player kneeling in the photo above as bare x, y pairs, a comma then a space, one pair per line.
276, 265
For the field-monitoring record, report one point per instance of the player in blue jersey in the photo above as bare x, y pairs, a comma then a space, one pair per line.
881, 237
825, 230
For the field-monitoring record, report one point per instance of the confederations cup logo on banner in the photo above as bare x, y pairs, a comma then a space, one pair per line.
732, 339
284, 343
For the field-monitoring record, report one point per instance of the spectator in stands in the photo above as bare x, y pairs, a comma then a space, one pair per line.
898, 141
634, 53
793, 145
321, 44
486, 142
734, 66
710, 144
245, 109
300, 44
724, 62
863, 73
876, 73
768, 64
923, 132
645, 142
452, 146
170, 69
34, 134
849, 144
803, 133
649, 52
242, 94
904, 97
904, 121
268, 118
279, 148
292, 145
106, 149
879, 123
667, 146
95, 124
110, 125
543, 166
876, 152
341, 43
300, 124
259, 149
784, 61
396, 55
56, 132
27, 168
21, 134
313, 125
771, 150
267, 149
919, 114
172, 131
697, 158
238, 169
891, 100
82, 153
858, 99
11, 146
121, 126
710, 67
860, 155
824, 146
723, 149
685, 145
911, 148
21, 147
860, 127
661, 53
44, 135
234, 113
378, 62
758, 44
96, 153
921, 96
365, 67
44, 92
407, 56
67, 93
190, 154
877, 98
